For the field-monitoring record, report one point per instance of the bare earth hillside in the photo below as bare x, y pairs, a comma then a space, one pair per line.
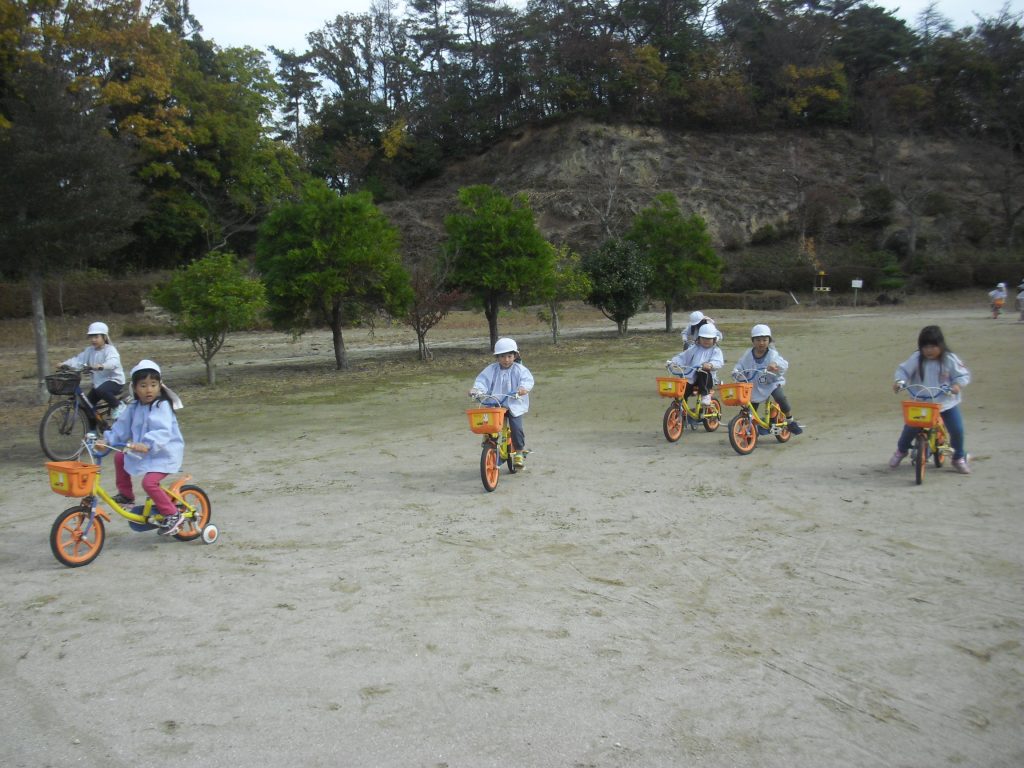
583, 179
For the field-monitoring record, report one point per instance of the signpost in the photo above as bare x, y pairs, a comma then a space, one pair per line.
856, 285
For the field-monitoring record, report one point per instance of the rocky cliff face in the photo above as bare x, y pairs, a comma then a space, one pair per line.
586, 180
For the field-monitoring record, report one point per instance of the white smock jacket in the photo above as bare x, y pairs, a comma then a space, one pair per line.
692, 358
937, 373
500, 381
108, 357
156, 426
751, 369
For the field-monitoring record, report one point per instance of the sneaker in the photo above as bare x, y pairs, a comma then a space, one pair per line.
705, 400
116, 413
171, 525
124, 501
896, 459
794, 427
961, 466
518, 459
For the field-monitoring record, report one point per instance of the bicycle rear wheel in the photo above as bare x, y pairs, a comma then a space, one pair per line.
779, 419
941, 442
920, 455
196, 498
489, 466
712, 415
61, 431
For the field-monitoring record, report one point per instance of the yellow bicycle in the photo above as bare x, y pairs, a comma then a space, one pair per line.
78, 534
750, 422
680, 413
496, 447
932, 439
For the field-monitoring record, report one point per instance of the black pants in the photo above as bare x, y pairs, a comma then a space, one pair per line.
108, 391
702, 382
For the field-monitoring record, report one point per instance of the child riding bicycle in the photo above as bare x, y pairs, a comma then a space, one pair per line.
149, 430
102, 359
506, 375
701, 361
935, 367
765, 368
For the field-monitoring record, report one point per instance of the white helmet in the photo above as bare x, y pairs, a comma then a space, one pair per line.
696, 317
504, 346
760, 330
145, 365
1000, 285
708, 331
98, 328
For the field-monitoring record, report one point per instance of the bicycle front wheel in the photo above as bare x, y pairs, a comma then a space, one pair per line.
672, 423
742, 434
61, 431
920, 454
71, 543
489, 467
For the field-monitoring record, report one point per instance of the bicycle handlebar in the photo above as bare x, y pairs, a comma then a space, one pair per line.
480, 397
922, 391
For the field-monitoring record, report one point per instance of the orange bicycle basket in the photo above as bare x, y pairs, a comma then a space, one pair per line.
735, 394
920, 415
71, 478
485, 421
671, 386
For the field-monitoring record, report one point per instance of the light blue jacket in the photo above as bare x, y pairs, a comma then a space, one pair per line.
500, 381
948, 371
156, 426
107, 356
696, 356
750, 368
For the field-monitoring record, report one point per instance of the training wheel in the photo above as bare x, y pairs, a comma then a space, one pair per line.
210, 534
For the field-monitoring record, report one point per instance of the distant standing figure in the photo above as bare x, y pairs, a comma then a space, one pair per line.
998, 298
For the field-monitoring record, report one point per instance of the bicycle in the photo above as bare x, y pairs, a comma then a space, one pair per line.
751, 422
932, 438
67, 421
496, 446
78, 534
679, 412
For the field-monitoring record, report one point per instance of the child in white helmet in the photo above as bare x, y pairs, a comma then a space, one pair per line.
998, 299
696, 321
763, 366
700, 361
103, 360
503, 377
150, 431
1020, 301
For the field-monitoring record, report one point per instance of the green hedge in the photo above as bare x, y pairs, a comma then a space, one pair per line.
78, 295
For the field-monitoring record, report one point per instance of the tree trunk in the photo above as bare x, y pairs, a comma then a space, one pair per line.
340, 355
553, 306
35, 286
623, 326
668, 316
491, 308
421, 340
211, 373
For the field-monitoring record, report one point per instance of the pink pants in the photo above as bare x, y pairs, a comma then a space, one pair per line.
150, 484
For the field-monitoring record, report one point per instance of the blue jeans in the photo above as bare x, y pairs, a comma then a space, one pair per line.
954, 425
518, 436
107, 391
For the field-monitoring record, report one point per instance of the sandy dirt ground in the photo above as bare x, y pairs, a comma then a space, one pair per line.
622, 602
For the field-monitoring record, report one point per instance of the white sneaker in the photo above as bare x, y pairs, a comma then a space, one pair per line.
961, 466
896, 459
116, 413
706, 400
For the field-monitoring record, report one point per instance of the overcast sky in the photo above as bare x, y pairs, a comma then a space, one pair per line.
262, 23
